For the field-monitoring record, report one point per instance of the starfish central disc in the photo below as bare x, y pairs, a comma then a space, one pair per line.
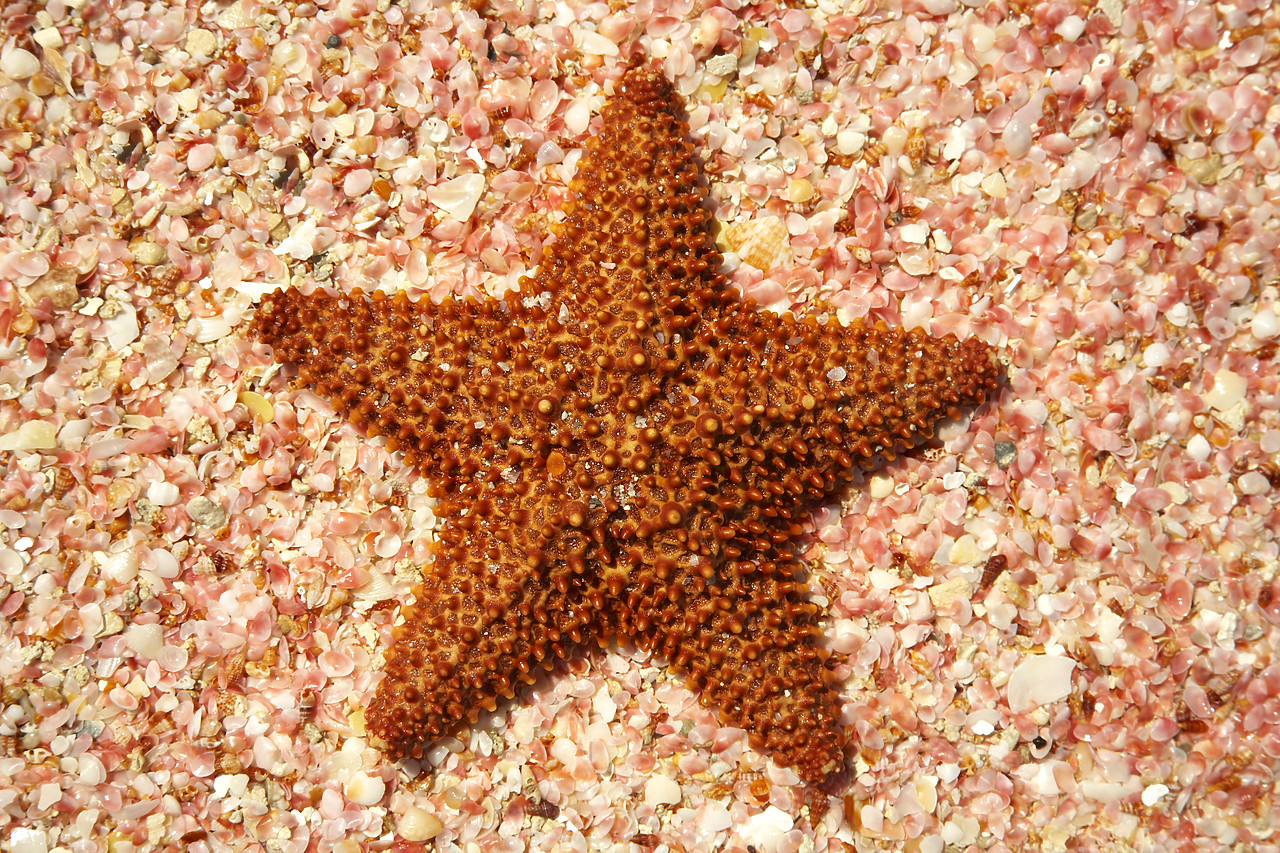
625, 451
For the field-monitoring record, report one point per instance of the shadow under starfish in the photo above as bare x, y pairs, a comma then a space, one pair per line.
623, 451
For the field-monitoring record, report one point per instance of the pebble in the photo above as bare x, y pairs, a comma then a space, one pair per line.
234, 17
942, 594
147, 253
25, 840
259, 406
880, 486
203, 511
721, 65
1017, 138
201, 43
849, 142
963, 551
59, 284
594, 43
914, 232
994, 185
1005, 453
32, 435
48, 38
1152, 794
1156, 355
1198, 447
799, 191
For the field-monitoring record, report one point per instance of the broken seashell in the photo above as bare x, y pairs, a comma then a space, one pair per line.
763, 242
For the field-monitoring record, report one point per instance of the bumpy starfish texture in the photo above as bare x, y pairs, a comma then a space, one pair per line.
624, 451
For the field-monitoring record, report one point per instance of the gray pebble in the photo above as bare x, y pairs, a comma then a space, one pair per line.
1006, 452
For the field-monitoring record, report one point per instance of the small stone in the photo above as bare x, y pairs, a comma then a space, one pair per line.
1012, 590
201, 43
203, 511
942, 594
25, 840
1156, 355
259, 406
596, 44
1203, 170
963, 551
59, 285
917, 262
994, 185
1179, 314
1153, 794
32, 435
1005, 453
914, 232
850, 142
48, 38
147, 253
880, 486
721, 65
234, 17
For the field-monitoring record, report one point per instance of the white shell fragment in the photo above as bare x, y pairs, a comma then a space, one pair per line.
764, 831
458, 197
1039, 680
32, 435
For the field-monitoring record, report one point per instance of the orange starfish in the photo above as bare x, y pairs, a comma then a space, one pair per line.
624, 451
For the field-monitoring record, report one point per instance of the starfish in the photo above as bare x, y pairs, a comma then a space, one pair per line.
623, 451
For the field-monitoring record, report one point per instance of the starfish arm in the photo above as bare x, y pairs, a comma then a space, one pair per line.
502, 600
430, 377
789, 409
745, 637
634, 241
